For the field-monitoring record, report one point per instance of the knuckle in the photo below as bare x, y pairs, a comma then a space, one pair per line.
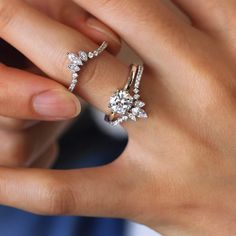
58, 197
7, 13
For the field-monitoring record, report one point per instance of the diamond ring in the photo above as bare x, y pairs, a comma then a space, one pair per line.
79, 59
126, 104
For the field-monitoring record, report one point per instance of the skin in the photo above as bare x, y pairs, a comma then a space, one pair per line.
33, 143
177, 173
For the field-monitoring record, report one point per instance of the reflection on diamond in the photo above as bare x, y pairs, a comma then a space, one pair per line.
83, 56
74, 58
121, 102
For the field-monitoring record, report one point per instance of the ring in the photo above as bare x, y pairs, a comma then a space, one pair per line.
78, 59
124, 105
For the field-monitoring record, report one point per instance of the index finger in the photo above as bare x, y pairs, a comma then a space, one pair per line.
46, 43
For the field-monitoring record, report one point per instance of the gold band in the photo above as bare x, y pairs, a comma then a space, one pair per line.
132, 75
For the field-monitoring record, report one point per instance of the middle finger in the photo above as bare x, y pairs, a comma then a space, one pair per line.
46, 42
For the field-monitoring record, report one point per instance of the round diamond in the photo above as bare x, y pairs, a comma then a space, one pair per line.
121, 102
83, 56
90, 55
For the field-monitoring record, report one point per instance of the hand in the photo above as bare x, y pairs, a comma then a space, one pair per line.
30, 142
177, 174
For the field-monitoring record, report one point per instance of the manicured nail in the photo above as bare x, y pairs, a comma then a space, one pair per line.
98, 26
56, 104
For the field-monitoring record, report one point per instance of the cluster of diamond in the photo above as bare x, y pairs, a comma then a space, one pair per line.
78, 59
126, 105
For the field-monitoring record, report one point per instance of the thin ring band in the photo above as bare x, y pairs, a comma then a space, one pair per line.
132, 75
77, 60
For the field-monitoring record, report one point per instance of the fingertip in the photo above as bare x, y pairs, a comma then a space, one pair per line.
56, 104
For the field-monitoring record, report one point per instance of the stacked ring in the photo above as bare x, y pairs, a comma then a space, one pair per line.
78, 59
124, 105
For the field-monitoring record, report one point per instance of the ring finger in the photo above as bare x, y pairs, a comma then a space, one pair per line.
55, 40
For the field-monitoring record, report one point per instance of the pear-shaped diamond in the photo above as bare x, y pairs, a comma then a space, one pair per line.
138, 112
142, 114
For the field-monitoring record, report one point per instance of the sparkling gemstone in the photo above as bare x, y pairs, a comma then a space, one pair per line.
121, 102
139, 104
138, 112
132, 117
74, 68
136, 90
74, 75
136, 96
135, 111
83, 56
95, 53
142, 114
72, 87
137, 84
90, 55
74, 81
74, 58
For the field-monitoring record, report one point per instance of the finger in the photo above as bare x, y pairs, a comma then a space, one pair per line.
81, 192
24, 148
72, 15
176, 10
153, 20
47, 159
11, 124
104, 74
215, 16
34, 97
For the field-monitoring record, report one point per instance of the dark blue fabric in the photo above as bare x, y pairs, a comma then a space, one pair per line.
82, 146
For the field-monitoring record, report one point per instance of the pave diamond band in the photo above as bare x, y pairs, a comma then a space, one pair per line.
125, 104
77, 60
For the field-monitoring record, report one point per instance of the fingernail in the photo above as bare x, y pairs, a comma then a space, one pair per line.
56, 104
98, 26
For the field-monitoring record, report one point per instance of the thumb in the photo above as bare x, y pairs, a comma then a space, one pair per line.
102, 191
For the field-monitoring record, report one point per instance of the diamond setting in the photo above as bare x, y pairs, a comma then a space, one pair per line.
83, 56
121, 102
125, 106
77, 60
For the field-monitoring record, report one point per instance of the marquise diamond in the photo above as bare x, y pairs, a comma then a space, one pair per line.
74, 58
